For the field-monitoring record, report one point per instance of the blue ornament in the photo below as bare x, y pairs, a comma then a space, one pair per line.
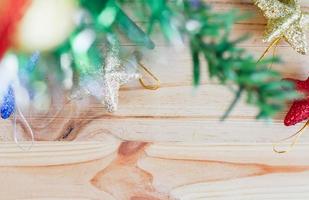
8, 104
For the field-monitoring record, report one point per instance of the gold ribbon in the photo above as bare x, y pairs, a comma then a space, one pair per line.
142, 82
296, 136
273, 44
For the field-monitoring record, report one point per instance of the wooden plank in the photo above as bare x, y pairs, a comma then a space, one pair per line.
162, 171
234, 153
46, 154
254, 188
185, 116
177, 148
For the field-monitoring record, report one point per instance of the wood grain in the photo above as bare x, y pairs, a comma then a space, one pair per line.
164, 144
139, 170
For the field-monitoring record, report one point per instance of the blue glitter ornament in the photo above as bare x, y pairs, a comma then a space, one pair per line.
8, 104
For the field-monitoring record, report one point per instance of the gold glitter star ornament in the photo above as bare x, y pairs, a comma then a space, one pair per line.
285, 19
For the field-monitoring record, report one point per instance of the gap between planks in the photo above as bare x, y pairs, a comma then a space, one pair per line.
60, 153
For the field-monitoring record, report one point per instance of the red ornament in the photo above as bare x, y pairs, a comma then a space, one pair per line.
11, 12
299, 110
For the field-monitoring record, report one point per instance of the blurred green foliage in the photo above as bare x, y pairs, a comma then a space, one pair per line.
193, 22
207, 33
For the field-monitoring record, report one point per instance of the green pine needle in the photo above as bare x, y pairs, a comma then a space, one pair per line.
208, 34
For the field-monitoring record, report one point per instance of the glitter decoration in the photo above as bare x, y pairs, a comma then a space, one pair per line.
285, 19
114, 76
105, 85
8, 104
299, 110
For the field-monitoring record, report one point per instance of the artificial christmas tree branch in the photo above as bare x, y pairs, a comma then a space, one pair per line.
233, 103
208, 33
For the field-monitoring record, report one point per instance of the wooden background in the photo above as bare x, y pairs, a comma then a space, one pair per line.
164, 144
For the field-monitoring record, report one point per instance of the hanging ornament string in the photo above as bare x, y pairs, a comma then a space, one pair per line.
8, 108
298, 112
274, 52
285, 20
150, 74
296, 137
15, 132
273, 44
56, 114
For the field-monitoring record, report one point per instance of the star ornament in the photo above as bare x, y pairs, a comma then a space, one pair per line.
110, 87
299, 110
285, 19
105, 85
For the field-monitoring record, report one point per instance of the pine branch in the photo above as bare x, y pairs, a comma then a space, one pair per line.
233, 104
193, 21
208, 33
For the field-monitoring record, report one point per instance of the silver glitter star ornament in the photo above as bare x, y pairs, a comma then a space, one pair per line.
105, 85
114, 76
